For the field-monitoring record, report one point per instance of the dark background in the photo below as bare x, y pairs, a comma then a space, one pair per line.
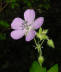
17, 56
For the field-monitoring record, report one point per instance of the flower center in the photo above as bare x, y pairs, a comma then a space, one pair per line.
27, 26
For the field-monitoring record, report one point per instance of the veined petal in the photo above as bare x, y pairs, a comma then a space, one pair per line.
38, 23
17, 34
31, 34
29, 15
17, 23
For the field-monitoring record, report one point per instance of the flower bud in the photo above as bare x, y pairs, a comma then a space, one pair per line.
40, 59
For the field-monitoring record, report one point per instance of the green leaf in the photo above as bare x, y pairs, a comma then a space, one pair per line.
4, 24
54, 68
44, 70
36, 67
50, 43
2, 36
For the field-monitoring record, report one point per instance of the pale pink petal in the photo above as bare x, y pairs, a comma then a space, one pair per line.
29, 15
17, 23
17, 34
31, 34
38, 23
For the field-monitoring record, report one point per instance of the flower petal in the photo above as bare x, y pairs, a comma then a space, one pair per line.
38, 23
17, 23
17, 34
29, 15
30, 35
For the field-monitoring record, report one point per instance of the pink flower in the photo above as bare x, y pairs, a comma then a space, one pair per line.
26, 27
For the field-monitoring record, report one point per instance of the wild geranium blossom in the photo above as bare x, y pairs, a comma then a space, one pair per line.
27, 26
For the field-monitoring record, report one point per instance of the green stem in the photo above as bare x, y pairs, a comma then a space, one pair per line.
38, 46
42, 42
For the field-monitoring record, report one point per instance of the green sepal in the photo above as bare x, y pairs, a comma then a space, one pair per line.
40, 30
42, 36
45, 31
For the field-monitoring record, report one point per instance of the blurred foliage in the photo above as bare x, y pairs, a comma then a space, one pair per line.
39, 5
28, 3
10, 1
2, 36
13, 3
4, 24
36, 67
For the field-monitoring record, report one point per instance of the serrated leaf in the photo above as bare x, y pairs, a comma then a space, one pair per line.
50, 43
4, 24
54, 68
